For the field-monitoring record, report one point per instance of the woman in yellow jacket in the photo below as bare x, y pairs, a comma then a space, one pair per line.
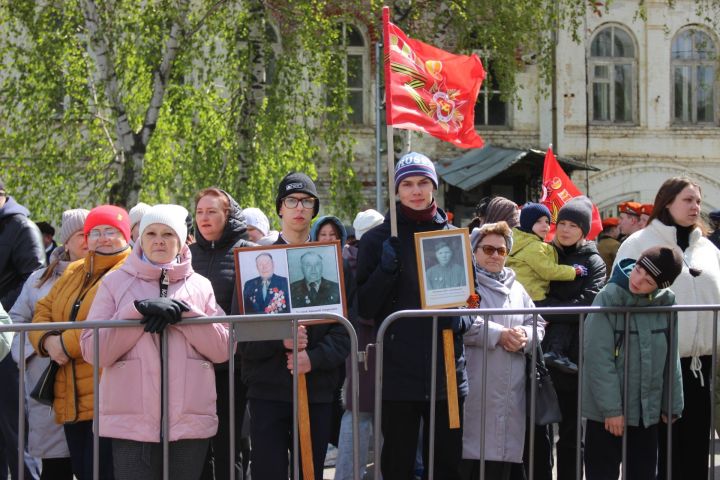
107, 232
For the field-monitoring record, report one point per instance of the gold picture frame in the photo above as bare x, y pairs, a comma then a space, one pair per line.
445, 268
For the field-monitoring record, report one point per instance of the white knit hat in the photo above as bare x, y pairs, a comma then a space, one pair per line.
72, 221
136, 213
171, 215
366, 220
254, 217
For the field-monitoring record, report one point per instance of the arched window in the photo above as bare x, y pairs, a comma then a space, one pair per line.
613, 76
693, 63
355, 66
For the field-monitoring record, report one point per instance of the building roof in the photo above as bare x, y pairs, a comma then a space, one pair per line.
481, 164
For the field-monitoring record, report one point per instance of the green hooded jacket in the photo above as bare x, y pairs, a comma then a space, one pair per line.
603, 377
535, 264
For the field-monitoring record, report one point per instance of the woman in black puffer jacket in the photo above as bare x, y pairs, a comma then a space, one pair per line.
561, 332
220, 228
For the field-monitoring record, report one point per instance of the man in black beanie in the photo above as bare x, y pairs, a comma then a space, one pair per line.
297, 203
267, 365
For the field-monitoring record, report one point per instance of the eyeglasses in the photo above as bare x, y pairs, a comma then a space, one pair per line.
489, 250
109, 233
292, 202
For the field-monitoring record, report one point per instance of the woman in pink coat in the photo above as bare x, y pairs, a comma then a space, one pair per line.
158, 285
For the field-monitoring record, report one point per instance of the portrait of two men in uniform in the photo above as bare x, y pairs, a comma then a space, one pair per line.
284, 279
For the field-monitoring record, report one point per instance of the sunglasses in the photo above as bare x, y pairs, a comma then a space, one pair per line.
489, 250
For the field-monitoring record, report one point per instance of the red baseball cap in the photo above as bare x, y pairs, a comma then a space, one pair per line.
610, 222
630, 208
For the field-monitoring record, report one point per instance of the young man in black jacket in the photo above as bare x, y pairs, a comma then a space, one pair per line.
267, 364
388, 282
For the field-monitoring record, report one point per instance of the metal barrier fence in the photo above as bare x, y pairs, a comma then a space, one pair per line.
579, 313
244, 328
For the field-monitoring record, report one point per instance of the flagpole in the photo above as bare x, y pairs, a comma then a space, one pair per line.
391, 180
388, 120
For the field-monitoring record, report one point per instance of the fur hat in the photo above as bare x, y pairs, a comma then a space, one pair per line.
254, 217
167, 214
72, 221
531, 213
137, 212
663, 264
366, 220
579, 211
415, 164
108, 215
296, 182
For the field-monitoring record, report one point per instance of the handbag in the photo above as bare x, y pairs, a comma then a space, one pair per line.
547, 407
44, 391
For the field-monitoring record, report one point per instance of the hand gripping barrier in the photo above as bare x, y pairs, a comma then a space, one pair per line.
579, 314
244, 328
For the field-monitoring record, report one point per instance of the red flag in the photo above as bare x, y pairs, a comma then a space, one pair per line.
430, 90
558, 189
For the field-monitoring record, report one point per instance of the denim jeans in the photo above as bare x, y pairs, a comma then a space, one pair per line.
344, 462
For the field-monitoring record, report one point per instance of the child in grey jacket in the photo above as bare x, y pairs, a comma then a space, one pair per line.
651, 353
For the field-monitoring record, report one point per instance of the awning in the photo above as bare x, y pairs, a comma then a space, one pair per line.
481, 164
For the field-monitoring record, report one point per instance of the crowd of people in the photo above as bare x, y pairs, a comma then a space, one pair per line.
160, 264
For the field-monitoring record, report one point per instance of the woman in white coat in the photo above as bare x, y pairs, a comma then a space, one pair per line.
675, 222
509, 338
46, 439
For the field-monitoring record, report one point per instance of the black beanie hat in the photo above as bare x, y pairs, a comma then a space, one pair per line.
663, 264
579, 211
296, 182
531, 213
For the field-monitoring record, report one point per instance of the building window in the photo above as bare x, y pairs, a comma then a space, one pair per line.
693, 60
355, 67
490, 109
613, 78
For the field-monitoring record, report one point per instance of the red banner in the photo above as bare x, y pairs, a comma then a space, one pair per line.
557, 190
430, 90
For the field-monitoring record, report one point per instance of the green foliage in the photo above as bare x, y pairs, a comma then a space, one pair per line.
219, 122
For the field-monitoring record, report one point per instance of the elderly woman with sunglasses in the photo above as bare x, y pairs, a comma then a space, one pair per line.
107, 231
508, 338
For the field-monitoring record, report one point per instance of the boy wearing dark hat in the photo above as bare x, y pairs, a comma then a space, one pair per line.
267, 365
652, 350
535, 262
387, 281
297, 203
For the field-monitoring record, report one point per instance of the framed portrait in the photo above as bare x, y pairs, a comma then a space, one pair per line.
444, 265
302, 278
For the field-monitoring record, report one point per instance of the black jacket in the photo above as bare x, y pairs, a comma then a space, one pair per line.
408, 349
215, 261
577, 293
264, 364
21, 250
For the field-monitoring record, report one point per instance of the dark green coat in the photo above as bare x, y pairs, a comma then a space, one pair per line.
649, 342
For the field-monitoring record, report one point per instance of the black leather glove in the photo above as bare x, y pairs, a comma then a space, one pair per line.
154, 323
390, 257
158, 313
